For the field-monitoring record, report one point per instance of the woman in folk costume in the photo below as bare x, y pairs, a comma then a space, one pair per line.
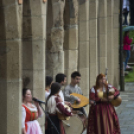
54, 105
30, 114
102, 115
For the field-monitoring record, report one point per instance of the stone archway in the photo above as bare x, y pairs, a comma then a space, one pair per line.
55, 38
10, 67
20, 43
33, 48
73, 40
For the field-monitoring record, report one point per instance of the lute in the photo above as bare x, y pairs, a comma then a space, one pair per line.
117, 100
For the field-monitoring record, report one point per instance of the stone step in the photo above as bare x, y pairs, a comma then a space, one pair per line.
129, 69
126, 73
131, 64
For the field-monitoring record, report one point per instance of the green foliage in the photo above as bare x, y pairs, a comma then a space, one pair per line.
131, 35
130, 76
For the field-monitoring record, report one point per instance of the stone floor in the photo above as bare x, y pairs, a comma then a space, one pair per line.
126, 110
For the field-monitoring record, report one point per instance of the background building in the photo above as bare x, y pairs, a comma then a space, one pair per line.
38, 39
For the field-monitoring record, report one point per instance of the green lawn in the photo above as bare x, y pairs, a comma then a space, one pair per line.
130, 76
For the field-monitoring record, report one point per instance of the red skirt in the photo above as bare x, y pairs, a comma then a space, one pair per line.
103, 119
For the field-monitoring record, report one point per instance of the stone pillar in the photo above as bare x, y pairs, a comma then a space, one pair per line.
49, 65
116, 42
102, 35
34, 37
110, 43
70, 38
131, 12
83, 47
10, 67
93, 44
55, 55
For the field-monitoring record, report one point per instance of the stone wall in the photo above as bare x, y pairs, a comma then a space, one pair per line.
102, 35
80, 35
22, 57
90, 43
10, 67
110, 41
70, 37
93, 41
116, 42
88, 39
33, 47
83, 46
55, 38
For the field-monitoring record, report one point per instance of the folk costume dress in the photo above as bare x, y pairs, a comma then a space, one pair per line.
102, 116
29, 122
54, 105
47, 93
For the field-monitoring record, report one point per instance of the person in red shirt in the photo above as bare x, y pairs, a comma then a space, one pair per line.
127, 41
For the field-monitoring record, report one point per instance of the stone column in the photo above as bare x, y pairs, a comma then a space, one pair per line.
131, 12
70, 38
55, 55
34, 37
93, 44
83, 47
116, 42
102, 35
110, 43
10, 67
49, 62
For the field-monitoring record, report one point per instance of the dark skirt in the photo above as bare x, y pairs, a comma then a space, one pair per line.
50, 129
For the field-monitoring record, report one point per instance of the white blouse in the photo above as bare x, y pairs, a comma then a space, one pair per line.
51, 105
104, 90
47, 94
23, 117
60, 94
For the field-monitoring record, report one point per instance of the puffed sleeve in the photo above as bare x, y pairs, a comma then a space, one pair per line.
23, 117
62, 109
92, 95
40, 112
116, 92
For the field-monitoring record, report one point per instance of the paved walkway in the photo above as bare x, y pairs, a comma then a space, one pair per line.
126, 110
